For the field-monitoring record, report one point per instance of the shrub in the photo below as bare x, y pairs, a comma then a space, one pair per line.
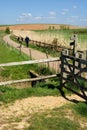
7, 30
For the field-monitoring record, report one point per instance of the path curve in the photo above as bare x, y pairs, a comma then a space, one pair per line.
35, 54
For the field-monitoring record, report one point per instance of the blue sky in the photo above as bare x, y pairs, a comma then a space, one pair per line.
73, 12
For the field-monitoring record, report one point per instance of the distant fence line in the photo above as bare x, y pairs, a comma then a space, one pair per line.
46, 45
51, 45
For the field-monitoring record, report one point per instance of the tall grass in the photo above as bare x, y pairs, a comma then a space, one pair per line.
62, 35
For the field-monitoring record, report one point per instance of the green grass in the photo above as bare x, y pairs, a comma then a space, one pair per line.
10, 94
42, 122
66, 117
55, 119
81, 109
9, 54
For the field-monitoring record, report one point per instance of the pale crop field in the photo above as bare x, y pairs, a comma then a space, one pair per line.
63, 38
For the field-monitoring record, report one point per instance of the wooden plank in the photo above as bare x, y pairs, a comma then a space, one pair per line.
80, 95
76, 67
27, 80
82, 61
30, 62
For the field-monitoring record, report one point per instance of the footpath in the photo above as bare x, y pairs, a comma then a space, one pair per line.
35, 54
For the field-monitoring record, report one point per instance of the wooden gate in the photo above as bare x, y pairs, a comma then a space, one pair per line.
73, 74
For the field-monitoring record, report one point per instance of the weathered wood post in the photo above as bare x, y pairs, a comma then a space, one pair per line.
74, 44
30, 55
33, 75
47, 58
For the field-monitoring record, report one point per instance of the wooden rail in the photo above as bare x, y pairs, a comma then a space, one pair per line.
31, 62
27, 80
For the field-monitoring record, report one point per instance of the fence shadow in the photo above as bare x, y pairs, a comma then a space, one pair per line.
70, 100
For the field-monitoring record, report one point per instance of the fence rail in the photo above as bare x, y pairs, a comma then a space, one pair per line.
29, 62
27, 80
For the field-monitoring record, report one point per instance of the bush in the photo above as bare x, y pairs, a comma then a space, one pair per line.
7, 30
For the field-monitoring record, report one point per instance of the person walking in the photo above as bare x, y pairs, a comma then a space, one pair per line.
27, 41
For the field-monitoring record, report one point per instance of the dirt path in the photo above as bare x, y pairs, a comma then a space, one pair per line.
35, 54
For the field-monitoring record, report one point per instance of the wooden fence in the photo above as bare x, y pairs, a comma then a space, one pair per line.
52, 46
29, 62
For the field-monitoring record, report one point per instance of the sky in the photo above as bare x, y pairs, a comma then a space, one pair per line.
72, 12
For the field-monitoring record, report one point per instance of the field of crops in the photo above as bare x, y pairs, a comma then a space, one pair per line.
62, 36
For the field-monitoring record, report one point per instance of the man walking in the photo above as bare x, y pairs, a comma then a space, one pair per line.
27, 41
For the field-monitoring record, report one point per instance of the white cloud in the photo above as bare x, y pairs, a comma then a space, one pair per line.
23, 14
74, 6
26, 15
52, 13
65, 10
47, 17
63, 13
29, 14
38, 17
19, 20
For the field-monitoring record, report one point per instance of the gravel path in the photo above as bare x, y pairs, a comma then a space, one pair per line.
35, 54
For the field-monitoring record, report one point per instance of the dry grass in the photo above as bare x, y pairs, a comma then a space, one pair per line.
45, 37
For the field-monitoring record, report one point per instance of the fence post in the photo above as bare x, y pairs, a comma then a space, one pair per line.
30, 54
47, 58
